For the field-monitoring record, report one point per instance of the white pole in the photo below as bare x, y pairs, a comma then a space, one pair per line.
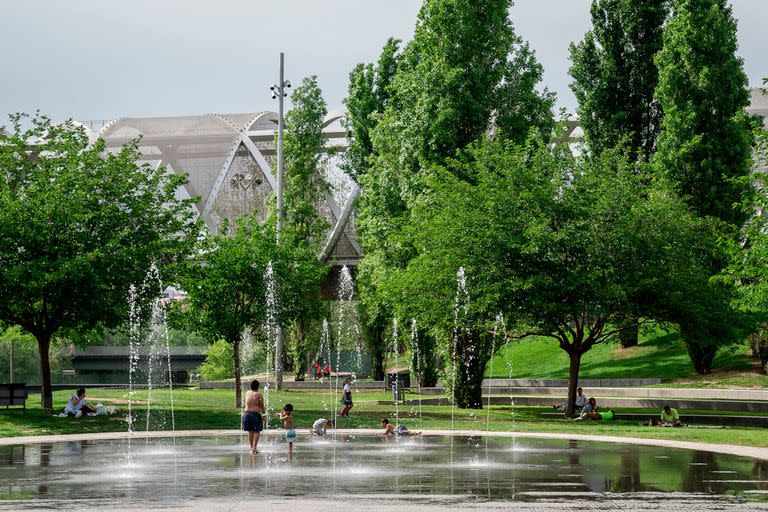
280, 97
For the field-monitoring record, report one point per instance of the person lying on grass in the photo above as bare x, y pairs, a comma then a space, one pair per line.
590, 412
399, 430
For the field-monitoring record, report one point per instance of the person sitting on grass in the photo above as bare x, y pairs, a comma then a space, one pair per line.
77, 405
590, 412
669, 417
581, 401
320, 427
398, 431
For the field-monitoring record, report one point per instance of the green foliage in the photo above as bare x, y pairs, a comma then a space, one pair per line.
219, 361
748, 253
304, 154
305, 229
566, 247
615, 76
78, 225
465, 73
368, 95
26, 358
705, 143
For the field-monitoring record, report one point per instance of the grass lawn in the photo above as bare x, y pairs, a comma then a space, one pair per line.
213, 409
658, 355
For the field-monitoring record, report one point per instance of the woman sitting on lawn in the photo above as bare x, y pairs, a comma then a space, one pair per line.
590, 412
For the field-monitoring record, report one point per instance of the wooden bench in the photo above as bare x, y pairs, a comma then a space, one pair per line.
13, 394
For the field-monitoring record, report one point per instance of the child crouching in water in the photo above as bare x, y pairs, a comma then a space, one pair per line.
320, 427
290, 432
399, 430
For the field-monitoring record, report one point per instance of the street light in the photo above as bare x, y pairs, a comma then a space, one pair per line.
279, 93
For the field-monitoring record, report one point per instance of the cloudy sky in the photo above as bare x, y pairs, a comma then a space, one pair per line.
93, 60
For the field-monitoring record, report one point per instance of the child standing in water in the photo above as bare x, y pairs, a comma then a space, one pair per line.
290, 433
252, 420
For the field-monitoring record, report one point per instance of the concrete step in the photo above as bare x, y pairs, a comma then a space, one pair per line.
680, 404
692, 419
598, 383
715, 394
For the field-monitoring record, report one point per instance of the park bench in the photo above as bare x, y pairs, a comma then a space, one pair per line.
13, 394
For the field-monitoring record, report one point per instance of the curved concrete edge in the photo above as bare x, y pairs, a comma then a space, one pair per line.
729, 449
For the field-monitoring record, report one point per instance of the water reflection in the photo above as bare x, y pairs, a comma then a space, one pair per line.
430, 469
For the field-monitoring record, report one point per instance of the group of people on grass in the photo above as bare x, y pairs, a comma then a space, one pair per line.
253, 422
589, 411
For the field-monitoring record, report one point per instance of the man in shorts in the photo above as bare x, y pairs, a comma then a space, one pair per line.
252, 421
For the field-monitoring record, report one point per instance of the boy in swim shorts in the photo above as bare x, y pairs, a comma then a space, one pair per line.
252, 419
290, 432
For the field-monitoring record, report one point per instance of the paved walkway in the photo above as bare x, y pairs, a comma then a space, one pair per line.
742, 451
248, 502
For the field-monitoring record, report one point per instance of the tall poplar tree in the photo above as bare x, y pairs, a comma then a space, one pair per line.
306, 187
465, 74
706, 140
369, 92
615, 76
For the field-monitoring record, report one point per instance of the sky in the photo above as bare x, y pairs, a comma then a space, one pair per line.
94, 60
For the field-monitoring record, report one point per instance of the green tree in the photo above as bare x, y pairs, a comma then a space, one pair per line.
615, 79
305, 154
78, 225
706, 139
615, 76
368, 96
226, 286
219, 361
564, 247
464, 74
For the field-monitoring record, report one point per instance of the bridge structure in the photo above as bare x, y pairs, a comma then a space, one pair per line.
229, 160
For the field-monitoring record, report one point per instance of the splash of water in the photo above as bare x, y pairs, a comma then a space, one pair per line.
460, 312
271, 328
148, 333
419, 366
396, 390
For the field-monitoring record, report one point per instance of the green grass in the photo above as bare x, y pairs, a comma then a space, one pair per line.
213, 409
658, 355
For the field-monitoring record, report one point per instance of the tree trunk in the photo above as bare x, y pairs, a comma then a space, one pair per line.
702, 357
377, 353
238, 385
469, 384
629, 334
44, 347
573, 380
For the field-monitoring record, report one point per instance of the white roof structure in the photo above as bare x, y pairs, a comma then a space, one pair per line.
229, 160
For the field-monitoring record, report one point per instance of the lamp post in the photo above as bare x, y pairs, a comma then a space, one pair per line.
278, 91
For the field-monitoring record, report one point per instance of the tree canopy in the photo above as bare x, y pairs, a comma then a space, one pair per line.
78, 226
